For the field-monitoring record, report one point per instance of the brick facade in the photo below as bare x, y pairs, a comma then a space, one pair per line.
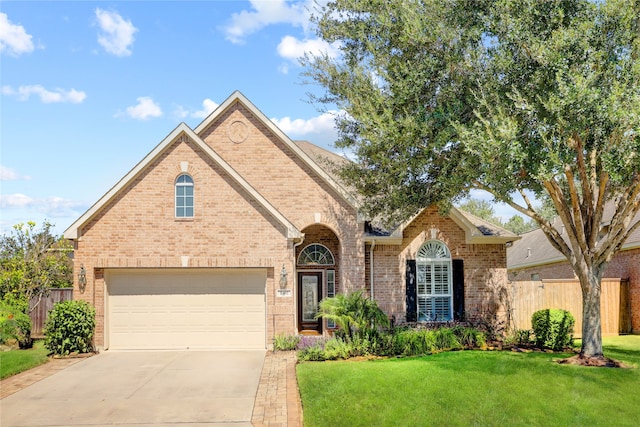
484, 266
136, 226
624, 265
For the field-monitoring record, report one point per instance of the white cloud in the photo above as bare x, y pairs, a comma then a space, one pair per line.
292, 49
53, 206
8, 174
17, 200
145, 109
207, 108
13, 38
320, 129
266, 13
46, 96
117, 34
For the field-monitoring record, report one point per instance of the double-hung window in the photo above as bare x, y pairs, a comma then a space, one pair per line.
184, 196
435, 298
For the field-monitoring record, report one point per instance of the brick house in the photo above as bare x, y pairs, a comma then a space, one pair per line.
533, 258
228, 234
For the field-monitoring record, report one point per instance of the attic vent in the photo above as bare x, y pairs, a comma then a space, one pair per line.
528, 252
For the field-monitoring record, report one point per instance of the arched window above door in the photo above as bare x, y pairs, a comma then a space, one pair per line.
316, 254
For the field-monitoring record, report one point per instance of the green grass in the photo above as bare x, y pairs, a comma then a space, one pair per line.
15, 361
474, 388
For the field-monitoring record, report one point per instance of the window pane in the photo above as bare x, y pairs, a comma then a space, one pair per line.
188, 191
179, 212
188, 212
331, 292
442, 308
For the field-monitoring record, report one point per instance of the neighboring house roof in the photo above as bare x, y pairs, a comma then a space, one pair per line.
535, 249
73, 232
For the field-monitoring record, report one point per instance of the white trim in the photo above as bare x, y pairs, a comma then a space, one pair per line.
73, 232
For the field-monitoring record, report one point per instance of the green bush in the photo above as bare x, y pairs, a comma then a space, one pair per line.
469, 337
446, 340
15, 325
337, 348
69, 328
282, 342
312, 354
520, 337
553, 328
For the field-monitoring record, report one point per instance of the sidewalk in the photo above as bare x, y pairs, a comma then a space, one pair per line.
278, 399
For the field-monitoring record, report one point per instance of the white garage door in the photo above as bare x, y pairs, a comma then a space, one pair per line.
178, 309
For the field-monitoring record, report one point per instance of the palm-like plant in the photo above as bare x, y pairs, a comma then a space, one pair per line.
354, 314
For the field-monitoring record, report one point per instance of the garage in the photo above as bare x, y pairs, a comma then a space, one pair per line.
185, 308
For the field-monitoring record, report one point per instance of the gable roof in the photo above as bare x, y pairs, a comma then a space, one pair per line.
535, 249
237, 96
476, 229
73, 232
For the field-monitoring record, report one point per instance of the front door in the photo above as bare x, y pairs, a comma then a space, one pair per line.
309, 296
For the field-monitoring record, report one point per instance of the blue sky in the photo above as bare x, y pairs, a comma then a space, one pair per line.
89, 88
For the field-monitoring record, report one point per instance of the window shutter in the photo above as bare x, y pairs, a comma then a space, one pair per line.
458, 289
412, 309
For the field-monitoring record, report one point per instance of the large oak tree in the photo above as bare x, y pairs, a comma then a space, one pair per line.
518, 98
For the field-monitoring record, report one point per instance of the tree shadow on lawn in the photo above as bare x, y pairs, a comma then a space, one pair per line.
506, 364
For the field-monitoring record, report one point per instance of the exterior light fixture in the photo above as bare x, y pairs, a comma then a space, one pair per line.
283, 277
82, 278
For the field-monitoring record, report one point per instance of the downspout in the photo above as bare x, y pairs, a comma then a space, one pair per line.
373, 245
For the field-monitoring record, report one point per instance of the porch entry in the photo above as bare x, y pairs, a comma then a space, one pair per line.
309, 296
316, 279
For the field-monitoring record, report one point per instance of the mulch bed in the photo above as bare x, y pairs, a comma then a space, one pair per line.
599, 362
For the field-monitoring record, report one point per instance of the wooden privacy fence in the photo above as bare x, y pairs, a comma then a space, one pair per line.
527, 297
39, 308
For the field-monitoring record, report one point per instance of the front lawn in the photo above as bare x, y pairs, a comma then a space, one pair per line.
15, 361
467, 388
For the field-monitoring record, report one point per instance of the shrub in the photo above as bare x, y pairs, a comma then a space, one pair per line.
313, 353
337, 348
69, 328
469, 337
553, 328
282, 342
356, 316
15, 325
414, 342
446, 340
520, 337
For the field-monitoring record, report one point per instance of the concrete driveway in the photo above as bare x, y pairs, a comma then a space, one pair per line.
201, 388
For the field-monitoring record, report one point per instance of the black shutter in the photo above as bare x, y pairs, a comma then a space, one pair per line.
412, 308
458, 289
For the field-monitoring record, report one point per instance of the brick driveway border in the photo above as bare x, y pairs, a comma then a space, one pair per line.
277, 400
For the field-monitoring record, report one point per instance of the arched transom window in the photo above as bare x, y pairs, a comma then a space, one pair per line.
184, 196
434, 293
316, 254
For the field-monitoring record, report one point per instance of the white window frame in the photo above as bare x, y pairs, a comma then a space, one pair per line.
434, 282
331, 291
311, 250
183, 198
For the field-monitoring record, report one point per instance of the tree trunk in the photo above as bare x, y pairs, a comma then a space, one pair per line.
591, 319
